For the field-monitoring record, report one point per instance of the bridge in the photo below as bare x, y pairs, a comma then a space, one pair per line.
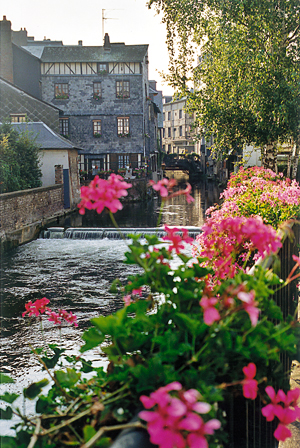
189, 163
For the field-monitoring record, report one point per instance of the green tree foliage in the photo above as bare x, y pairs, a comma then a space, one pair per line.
19, 160
248, 79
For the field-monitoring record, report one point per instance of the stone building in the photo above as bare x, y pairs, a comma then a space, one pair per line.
178, 135
103, 93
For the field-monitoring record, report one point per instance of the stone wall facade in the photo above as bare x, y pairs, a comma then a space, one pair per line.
81, 109
23, 213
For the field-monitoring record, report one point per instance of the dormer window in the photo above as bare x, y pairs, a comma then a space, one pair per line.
17, 118
101, 68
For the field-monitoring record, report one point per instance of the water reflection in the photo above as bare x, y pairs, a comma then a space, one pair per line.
176, 211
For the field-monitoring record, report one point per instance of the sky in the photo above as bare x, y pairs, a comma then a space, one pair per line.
128, 21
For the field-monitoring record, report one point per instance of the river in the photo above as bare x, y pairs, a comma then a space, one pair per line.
75, 274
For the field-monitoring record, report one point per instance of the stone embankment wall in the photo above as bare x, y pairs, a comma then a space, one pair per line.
24, 213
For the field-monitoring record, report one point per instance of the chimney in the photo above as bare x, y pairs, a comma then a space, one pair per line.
19, 37
6, 51
106, 42
80, 43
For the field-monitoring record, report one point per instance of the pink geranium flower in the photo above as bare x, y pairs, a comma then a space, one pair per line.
102, 194
36, 308
165, 188
175, 421
177, 240
250, 305
210, 313
56, 318
250, 386
285, 408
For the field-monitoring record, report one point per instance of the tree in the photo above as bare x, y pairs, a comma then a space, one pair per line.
19, 160
248, 81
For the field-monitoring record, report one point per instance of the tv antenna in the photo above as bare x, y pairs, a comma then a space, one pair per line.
107, 18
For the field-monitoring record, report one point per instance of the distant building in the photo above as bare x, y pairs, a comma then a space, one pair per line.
102, 92
178, 135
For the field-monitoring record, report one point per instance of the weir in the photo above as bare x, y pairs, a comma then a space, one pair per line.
95, 233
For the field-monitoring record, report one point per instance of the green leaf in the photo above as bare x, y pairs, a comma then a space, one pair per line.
200, 271
92, 337
35, 389
111, 324
88, 432
8, 442
114, 287
86, 366
193, 326
52, 361
5, 379
43, 405
6, 414
68, 378
104, 442
9, 398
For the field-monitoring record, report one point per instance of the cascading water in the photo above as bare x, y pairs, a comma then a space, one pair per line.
83, 233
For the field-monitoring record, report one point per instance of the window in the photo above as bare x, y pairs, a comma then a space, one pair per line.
61, 91
169, 132
163, 132
97, 91
17, 118
64, 126
169, 149
123, 161
101, 68
174, 132
180, 131
180, 113
97, 131
122, 89
169, 116
123, 126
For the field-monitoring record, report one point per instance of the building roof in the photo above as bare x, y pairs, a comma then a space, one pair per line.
45, 138
23, 93
118, 52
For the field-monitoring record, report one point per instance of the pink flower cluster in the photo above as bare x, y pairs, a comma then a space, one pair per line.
211, 314
264, 193
40, 307
177, 240
165, 188
102, 194
222, 242
285, 408
36, 308
175, 421
62, 314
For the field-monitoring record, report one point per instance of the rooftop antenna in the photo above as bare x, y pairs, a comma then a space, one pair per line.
107, 18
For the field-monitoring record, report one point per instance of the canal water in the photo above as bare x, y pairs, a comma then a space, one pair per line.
75, 274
